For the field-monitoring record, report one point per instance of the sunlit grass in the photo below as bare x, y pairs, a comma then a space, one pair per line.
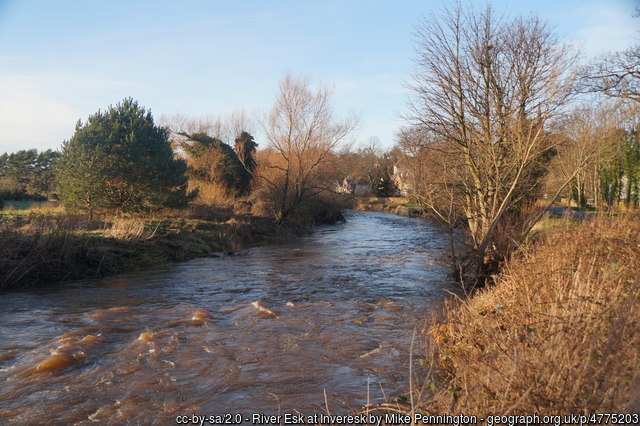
558, 333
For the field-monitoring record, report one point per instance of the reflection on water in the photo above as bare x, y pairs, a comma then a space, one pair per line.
271, 329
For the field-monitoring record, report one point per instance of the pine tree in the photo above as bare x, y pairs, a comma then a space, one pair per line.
119, 160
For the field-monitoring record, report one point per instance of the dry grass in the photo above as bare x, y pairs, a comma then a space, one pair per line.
213, 193
40, 248
558, 333
31, 240
130, 229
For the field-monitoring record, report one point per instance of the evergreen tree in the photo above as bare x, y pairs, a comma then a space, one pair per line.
213, 161
120, 160
27, 174
382, 185
245, 147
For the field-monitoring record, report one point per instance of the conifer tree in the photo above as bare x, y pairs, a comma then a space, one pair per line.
119, 160
212, 161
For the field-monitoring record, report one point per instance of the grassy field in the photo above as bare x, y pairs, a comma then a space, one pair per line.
558, 333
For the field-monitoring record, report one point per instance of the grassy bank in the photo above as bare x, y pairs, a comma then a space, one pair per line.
558, 334
48, 246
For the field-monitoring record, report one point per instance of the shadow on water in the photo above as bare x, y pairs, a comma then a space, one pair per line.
271, 329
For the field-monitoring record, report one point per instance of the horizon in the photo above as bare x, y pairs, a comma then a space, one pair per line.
63, 61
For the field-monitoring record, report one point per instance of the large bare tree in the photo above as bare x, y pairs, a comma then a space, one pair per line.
484, 92
302, 133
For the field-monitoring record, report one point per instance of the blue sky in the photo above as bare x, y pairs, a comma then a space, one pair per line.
63, 60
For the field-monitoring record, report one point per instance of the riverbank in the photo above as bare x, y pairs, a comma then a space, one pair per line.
394, 205
46, 247
557, 334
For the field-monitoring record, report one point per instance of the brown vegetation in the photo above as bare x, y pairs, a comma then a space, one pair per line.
303, 134
50, 247
485, 91
557, 334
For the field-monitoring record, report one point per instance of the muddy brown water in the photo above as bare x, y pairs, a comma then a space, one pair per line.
270, 330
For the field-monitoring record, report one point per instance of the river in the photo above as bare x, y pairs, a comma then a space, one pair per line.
272, 329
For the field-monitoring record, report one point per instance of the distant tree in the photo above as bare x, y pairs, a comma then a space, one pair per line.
120, 160
212, 161
27, 173
245, 147
383, 186
302, 133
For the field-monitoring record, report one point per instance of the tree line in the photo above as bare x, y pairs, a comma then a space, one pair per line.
121, 160
501, 124
27, 174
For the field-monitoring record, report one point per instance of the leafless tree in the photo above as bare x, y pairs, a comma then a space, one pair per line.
591, 134
484, 91
223, 127
615, 75
302, 131
433, 184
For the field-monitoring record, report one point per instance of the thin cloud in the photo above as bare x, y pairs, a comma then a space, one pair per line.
37, 111
608, 27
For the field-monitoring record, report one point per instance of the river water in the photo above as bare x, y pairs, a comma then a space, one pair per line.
325, 319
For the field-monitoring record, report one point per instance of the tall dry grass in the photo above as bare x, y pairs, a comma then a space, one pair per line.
130, 229
36, 239
559, 333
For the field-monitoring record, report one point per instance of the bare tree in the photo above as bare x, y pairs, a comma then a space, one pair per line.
433, 184
223, 127
485, 90
615, 75
591, 135
303, 132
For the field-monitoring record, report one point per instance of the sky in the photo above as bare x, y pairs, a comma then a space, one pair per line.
61, 60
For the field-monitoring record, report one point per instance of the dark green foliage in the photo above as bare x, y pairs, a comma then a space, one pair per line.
120, 160
245, 147
27, 174
632, 168
213, 161
381, 183
620, 174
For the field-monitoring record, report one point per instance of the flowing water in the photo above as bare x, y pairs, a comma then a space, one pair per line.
274, 328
